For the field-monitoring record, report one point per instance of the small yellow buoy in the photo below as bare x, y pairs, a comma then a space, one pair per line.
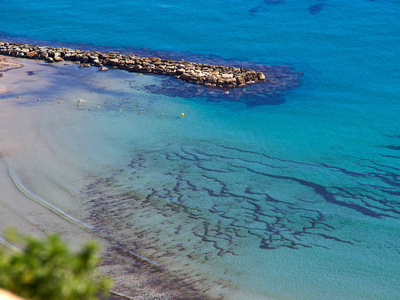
59, 102
38, 99
98, 106
19, 97
119, 109
141, 111
183, 115
162, 114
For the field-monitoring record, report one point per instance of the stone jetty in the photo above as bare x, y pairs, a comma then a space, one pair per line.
197, 73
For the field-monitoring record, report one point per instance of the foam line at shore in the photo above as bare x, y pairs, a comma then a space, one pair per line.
43, 203
74, 221
8, 245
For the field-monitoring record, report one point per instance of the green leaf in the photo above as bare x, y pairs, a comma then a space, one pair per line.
47, 269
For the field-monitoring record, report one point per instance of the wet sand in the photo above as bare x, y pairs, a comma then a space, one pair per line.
21, 207
6, 65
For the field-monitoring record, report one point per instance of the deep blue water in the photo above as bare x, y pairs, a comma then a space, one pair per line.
296, 200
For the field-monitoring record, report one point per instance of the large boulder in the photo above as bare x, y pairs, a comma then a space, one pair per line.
113, 61
58, 59
260, 76
32, 55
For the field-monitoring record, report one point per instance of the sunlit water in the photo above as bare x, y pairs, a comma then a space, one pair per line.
298, 200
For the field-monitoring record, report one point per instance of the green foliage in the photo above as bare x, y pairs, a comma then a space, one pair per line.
49, 270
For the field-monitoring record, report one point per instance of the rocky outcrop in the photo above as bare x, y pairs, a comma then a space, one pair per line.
197, 73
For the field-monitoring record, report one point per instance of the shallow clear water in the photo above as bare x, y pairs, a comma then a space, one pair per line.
298, 200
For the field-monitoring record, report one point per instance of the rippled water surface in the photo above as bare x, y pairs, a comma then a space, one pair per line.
297, 197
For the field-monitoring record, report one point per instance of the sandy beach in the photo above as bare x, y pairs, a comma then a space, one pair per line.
21, 207
149, 127
6, 65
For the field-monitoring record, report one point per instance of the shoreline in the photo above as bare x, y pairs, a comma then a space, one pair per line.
278, 80
135, 277
6, 65
197, 73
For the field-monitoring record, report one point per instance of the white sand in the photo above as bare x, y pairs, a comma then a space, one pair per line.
35, 195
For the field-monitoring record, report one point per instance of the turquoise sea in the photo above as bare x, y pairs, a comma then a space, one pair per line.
296, 197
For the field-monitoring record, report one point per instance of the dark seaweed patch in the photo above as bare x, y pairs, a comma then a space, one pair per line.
392, 147
244, 210
255, 9
316, 8
269, 92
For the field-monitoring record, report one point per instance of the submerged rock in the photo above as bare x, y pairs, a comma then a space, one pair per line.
268, 92
205, 77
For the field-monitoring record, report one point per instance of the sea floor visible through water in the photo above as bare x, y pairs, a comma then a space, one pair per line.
296, 197
209, 204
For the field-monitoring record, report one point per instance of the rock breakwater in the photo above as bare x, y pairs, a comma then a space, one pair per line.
197, 73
